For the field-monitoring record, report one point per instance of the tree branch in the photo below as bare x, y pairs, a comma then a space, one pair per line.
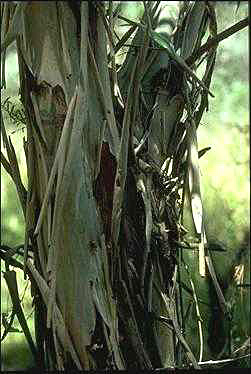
6, 165
214, 41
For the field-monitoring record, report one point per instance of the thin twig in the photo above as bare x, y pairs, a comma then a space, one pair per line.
123, 40
108, 30
214, 41
149, 23
11, 166
170, 306
11, 261
10, 277
6, 164
133, 23
223, 304
211, 362
198, 319
150, 288
244, 346
9, 324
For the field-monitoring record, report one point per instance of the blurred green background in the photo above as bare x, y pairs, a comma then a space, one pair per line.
225, 187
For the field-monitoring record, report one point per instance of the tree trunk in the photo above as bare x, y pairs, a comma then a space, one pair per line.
103, 209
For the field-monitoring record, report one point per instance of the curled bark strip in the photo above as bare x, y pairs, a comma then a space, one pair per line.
60, 151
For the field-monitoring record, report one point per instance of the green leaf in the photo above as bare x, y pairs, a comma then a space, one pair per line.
203, 151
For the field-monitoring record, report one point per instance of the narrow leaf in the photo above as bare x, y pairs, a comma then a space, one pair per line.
203, 151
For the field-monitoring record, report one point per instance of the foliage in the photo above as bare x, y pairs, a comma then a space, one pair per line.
163, 183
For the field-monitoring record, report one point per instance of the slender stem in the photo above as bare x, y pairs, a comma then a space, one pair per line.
214, 41
211, 362
6, 165
10, 277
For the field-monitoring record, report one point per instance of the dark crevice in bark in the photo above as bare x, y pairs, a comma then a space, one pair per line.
98, 348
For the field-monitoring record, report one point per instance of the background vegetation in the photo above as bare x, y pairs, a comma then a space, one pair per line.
226, 191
